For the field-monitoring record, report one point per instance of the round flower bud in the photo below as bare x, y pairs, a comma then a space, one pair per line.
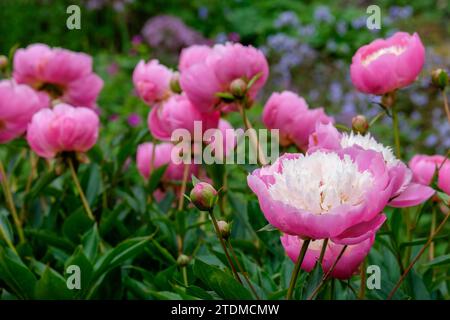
175, 83
204, 196
238, 88
360, 124
439, 78
183, 260
3, 62
224, 229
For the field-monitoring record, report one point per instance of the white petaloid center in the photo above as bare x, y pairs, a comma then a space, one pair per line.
319, 182
367, 142
396, 50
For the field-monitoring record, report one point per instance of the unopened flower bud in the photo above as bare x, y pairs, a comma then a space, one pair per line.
224, 229
439, 78
175, 83
360, 124
388, 99
238, 88
183, 260
3, 62
204, 196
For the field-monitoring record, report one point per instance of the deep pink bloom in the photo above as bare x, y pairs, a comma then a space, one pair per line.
326, 194
347, 265
18, 103
63, 128
152, 81
193, 55
405, 193
62, 74
178, 113
289, 113
385, 65
162, 156
225, 63
134, 120
425, 167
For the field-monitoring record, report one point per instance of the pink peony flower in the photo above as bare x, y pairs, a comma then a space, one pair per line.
222, 143
386, 65
63, 128
346, 266
152, 81
178, 113
424, 168
338, 195
290, 114
225, 63
62, 74
18, 103
193, 55
405, 193
162, 156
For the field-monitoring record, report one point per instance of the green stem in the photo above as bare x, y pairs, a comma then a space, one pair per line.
327, 275
396, 132
241, 269
322, 251
422, 250
296, 270
222, 243
185, 278
362, 286
10, 202
447, 109
376, 118
80, 190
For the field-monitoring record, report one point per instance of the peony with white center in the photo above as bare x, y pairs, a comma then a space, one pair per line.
367, 142
320, 182
395, 50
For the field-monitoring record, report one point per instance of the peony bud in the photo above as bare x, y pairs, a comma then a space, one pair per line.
360, 124
204, 196
238, 88
3, 62
224, 229
175, 83
439, 78
183, 260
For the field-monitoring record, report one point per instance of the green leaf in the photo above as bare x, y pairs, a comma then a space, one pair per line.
267, 227
439, 261
16, 274
94, 184
50, 239
195, 180
155, 178
226, 96
314, 279
86, 270
222, 283
444, 197
5, 227
52, 286
253, 80
38, 185
76, 225
90, 241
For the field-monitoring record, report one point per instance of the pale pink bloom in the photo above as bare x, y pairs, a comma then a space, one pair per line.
326, 194
425, 167
178, 113
385, 65
63, 129
161, 157
152, 81
193, 55
62, 74
18, 103
225, 63
347, 265
405, 192
289, 113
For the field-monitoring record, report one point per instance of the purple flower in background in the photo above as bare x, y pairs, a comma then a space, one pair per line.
419, 99
323, 14
234, 37
341, 28
134, 120
359, 23
114, 117
287, 19
397, 12
137, 40
307, 30
168, 32
203, 13
117, 5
